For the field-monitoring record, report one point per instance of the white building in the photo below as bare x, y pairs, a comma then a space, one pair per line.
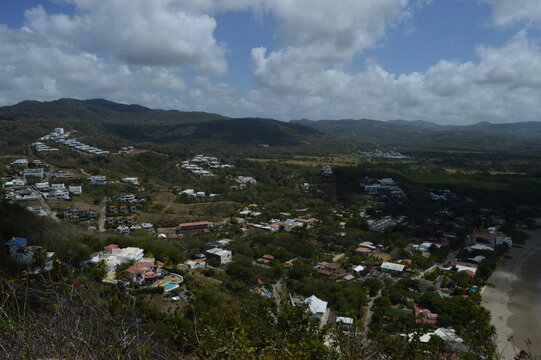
372, 189
98, 180
76, 190
131, 180
61, 194
389, 266
58, 131
14, 183
42, 186
58, 187
33, 172
246, 179
318, 308
19, 162
223, 255
114, 256
381, 224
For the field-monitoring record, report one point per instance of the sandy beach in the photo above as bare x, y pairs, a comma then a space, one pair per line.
515, 299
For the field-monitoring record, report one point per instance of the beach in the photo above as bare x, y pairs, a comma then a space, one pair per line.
514, 299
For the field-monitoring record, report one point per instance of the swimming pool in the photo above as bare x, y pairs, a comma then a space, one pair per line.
169, 286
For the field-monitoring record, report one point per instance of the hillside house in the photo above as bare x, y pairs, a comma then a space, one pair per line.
144, 272
58, 187
33, 172
393, 267
14, 183
318, 309
223, 256
114, 256
333, 271
42, 186
61, 194
490, 236
126, 198
425, 316
19, 162
98, 180
75, 190
34, 256
131, 180
193, 227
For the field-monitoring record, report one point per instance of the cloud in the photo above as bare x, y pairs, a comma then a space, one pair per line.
318, 34
137, 32
140, 52
511, 12
501, 86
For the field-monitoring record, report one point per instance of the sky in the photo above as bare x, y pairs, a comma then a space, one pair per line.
445, 61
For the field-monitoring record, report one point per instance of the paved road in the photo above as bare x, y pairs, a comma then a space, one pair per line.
44, 205
103, 212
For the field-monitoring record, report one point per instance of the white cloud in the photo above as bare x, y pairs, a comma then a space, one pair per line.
510, 12
501, 86
318, 34
138, 52
138, 32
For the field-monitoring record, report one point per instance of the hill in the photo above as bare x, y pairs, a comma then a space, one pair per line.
531, 129
427, 134
25, 121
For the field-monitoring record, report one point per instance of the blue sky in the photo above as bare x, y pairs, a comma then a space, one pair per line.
447, 61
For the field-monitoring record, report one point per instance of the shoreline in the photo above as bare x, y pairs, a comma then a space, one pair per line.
514, 300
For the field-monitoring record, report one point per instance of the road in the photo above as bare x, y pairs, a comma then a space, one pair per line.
368, 315
44, 205
277, 291
103, 212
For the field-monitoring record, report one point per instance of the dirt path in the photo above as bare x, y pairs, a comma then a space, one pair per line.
103, 212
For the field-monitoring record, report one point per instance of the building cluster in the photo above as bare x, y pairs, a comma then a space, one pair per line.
200, 164
41, 147
73, 213
126, 150
378, 154
77, 145
34, 257
326, 170
196, 194
58, 133
382, 186
125, 229
275, 225
58, 191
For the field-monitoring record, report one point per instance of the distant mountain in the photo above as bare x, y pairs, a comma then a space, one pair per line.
25, 121
531, 129
424, 133
418, 125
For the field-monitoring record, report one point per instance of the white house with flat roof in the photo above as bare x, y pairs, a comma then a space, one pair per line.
224, 256
33, 172
76, 190
130, 180
114, 256
393, 267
